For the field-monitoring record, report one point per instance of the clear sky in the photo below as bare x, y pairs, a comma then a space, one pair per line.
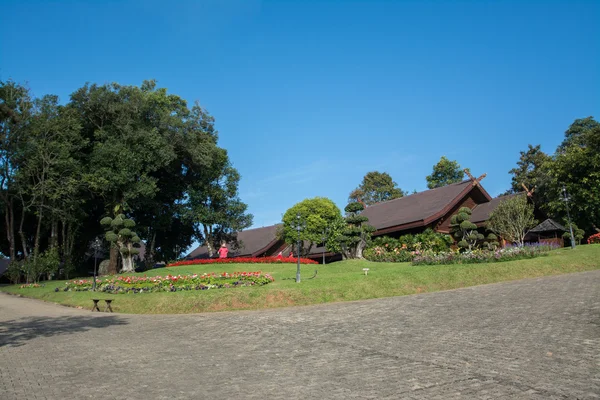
308, 96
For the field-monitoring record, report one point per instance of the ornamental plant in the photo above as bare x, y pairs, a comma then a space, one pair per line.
243, 260
170, 283
594, 239
509, 253
119, 234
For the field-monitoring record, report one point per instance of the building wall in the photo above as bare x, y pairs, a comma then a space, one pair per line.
443, 225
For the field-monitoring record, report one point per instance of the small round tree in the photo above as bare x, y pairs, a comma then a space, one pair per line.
120, 235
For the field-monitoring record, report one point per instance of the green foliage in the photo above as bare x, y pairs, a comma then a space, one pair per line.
444, 173
464, 230
574, 166
375, 188
316, 216
356, 235
530, 172
406, 247
47, 263
479, 256
124, 239
512, 219
578, 233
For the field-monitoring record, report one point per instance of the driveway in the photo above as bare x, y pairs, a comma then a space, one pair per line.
529, 339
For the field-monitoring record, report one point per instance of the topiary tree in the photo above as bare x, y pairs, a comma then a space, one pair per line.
578, 233
120, 235
357, 233
463, 230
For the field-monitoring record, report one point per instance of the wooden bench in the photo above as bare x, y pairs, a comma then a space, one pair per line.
108, 307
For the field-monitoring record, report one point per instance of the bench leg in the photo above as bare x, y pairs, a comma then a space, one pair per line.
95, 308
108, 307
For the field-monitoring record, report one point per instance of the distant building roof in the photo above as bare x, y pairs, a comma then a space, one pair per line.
253, 242
549, 225
420, 208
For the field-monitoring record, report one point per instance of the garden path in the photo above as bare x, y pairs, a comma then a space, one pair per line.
530, 339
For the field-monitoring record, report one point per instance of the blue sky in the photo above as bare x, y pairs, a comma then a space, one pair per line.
308, 96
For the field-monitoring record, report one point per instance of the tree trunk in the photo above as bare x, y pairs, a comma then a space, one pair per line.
54, 234
208, 241
114, 258
128, 260
9, 220
36, 245
22, 235
149, 256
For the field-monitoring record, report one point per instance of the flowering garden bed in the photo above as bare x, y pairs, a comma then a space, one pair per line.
243, 260
169, 283
484, 256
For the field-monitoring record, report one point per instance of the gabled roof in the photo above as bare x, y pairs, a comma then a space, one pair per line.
481, 212
420, 209
549, 225
253, 243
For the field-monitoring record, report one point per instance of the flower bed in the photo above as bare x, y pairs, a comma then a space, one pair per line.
243, 260
170, 283
484, 256
594, 239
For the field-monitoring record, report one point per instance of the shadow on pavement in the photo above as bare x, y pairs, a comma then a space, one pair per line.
17, 332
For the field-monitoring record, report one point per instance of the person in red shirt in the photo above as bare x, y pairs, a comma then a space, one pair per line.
223, 251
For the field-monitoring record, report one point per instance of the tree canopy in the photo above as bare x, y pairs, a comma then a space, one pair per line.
574, 167
375, 188
444, 173
315, 216
112, 149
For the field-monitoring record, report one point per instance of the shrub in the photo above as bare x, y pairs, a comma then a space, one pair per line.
406, 247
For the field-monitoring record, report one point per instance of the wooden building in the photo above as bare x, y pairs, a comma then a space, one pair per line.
409, 214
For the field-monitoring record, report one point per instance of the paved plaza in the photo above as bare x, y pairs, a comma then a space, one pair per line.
530, 339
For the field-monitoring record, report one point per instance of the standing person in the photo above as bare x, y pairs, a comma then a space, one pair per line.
223, 251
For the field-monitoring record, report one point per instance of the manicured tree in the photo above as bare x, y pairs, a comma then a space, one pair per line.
120, 235
316, 215
444, 173
357, 234
577, 232
463, 230
512, 219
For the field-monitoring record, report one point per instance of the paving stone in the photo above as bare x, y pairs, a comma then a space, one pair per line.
530, 339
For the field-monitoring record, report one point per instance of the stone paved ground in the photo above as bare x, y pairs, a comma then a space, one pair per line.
530, 339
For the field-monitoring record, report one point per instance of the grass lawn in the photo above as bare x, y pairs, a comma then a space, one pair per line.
340, 281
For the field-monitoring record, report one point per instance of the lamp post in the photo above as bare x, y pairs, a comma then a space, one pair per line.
299, 227
566, 200
96, 245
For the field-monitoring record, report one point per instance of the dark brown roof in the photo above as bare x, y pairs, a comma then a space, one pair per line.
419, 208
549, 225
253, 243
481, 212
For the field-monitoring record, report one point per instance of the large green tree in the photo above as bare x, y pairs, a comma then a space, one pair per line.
315, 216
111, 149
444, 173
375, 188
576, 168
531, 174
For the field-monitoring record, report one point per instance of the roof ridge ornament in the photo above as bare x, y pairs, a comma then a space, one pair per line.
472, 178
529, 192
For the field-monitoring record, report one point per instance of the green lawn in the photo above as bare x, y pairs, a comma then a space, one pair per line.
341, 281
